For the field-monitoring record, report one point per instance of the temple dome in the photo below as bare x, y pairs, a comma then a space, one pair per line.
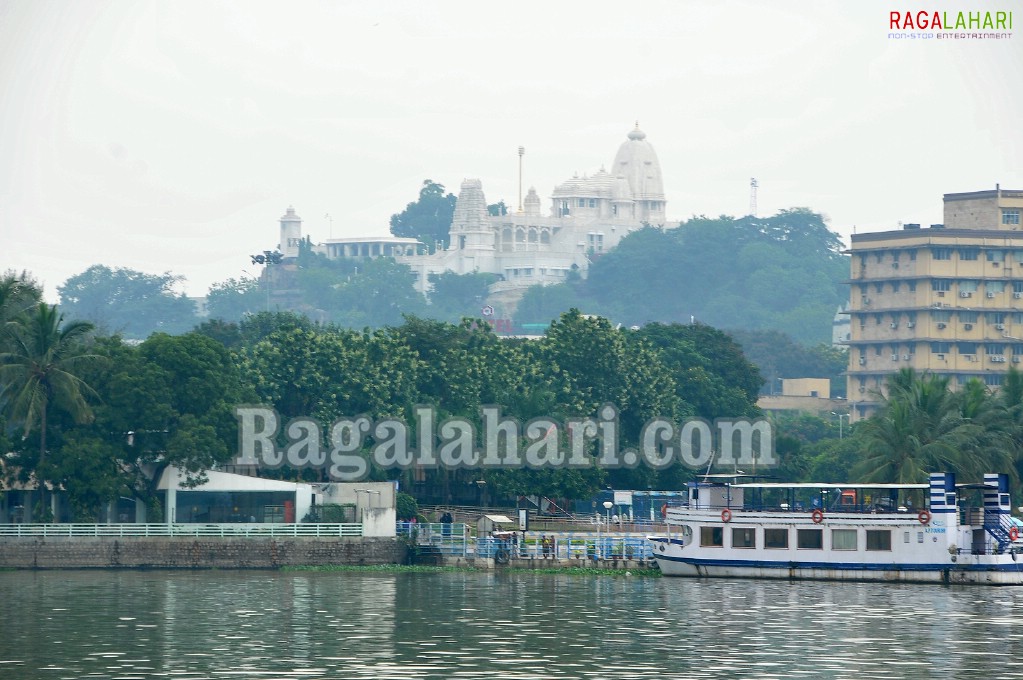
637, 161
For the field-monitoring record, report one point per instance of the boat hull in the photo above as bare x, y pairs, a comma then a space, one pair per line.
967, 569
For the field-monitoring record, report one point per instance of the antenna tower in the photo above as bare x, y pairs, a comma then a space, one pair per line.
753, 196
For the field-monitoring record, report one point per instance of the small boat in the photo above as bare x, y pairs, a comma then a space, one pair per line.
937, 532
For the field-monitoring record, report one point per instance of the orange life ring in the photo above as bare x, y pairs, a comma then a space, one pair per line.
817, 516
726, 515
924, 517
664, 511
1013, 533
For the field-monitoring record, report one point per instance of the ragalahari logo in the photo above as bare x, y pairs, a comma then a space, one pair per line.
942, 25
348, 446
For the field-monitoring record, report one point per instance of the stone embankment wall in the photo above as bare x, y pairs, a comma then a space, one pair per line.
196, 553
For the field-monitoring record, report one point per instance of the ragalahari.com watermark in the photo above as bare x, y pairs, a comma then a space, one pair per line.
348, 446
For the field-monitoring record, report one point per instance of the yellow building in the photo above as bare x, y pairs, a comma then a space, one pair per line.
946, 299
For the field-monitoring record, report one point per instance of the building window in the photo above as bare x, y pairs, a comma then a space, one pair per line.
776, 538
912, 255
942, 284
878, 256
995, 255
593, 203
994, 348
941, 347
967, 347
912, 286
993, 379
843, 539
810, 539
969, 253
712, 537
744, 538
941, 253
895, 286
879, 287
879, 539
1010, 216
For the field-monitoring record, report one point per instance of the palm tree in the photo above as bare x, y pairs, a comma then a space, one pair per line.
920, 429
38, 369
18, 293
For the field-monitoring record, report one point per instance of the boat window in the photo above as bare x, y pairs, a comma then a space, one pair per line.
776, 538
843, 539
879, 539
744, 538
712, 536
810, 539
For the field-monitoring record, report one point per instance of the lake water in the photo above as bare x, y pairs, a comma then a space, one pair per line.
267, 625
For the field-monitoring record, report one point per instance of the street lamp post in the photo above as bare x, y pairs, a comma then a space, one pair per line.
840, 416
607, 511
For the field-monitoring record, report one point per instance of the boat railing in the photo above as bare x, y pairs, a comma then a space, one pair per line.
876, 509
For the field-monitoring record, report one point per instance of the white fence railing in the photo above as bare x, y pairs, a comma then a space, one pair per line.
142, 530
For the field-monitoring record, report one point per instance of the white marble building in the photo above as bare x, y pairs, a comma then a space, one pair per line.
588, 216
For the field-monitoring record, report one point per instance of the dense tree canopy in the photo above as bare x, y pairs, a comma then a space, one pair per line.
428, 218
783, 273
127, 302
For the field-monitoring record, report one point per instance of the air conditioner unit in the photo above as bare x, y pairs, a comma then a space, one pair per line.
895, 357
866, 300
998, 360
965, 294
999, 326
941, 293
895, 324
905, 357
968, 326
1017, 296
1015, 360
942, 326
863, 361
895, 265
969, 357
910, 324
941, 357
990, 296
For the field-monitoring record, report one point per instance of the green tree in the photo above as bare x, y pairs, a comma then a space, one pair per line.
233, 299
128, 302
455, 296
924, 427
427, 219
41, 370
18, 294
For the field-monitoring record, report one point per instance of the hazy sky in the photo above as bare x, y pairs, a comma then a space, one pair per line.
171, 136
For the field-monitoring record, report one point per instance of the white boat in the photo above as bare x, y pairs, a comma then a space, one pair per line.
936, 532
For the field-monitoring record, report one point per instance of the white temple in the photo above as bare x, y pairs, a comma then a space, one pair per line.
589, 215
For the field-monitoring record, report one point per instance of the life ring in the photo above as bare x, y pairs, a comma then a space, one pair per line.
726, 515
1013, 533
664, 511
817, 516
501, 556
924, 517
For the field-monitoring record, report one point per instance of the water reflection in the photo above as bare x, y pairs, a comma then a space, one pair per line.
467, 625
